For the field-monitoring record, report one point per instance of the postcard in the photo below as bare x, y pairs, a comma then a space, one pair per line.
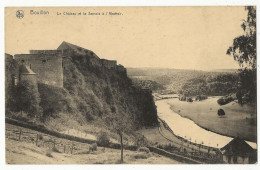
130, 85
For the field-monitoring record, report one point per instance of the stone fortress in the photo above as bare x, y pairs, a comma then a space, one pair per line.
46, 66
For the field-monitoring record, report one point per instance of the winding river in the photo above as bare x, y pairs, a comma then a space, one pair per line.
187, 129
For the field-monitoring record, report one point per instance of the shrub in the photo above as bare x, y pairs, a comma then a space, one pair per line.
28, 98
141, 156
143, 149
93, 147
189, 99
54, 149
40, 137
49, 154
201, 97
103, 139
182, 98
221, 112
226, 99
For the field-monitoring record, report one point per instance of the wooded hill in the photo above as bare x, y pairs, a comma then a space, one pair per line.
189, 82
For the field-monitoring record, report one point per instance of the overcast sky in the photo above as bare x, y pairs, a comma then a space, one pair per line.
168, 37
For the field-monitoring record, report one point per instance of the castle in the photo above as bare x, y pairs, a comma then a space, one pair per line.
46, 66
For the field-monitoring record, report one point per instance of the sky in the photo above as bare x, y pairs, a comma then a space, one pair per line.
165, 37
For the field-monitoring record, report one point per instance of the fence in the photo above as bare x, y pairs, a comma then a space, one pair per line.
47, 141
70, 144
51, 139
204, 156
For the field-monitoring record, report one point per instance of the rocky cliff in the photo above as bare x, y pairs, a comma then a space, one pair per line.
89, 92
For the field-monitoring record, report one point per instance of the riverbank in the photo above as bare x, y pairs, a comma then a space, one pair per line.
238, 121
188, 130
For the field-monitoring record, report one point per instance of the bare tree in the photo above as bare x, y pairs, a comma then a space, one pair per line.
120, 123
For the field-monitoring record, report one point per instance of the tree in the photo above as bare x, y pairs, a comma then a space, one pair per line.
121, 123
244, 52
27, 99
244, 47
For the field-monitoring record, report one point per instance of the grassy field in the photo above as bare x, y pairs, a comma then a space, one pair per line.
26, 152
238, 121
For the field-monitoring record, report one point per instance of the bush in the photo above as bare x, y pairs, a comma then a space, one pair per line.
49, 154
221, 112
141, 156
93, 147
189, 99
143, 149
226, 99
27, 99
54, 149
201, 97
103, 139
182, 98
40, 137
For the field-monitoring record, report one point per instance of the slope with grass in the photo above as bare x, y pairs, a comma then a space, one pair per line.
25, 151
238, 120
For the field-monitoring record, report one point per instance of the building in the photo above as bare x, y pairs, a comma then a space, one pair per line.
238, 151
47, 66
25, 73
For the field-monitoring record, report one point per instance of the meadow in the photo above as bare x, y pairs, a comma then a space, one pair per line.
238, 120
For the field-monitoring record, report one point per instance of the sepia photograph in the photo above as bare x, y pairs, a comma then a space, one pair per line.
130, 85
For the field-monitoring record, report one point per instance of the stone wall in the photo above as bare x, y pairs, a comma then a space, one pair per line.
95, 61
121, 69
45, 51
48, 67
108, 63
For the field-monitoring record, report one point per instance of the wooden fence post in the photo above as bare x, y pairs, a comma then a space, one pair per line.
72, 149
37, 137
20, 134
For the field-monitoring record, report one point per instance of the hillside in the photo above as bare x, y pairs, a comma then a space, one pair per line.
90, 92
189, 82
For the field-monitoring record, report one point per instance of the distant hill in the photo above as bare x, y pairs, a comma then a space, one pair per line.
187, 81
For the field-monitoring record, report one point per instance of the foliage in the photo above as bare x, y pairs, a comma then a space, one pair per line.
148, 84
25, 97
103, 139
244, 47
246, 92
93, 147
226, 99
244, 52
221, 112
182, 98
40, 137
141, 156
143, 149
210, 85
189, 99
201, 97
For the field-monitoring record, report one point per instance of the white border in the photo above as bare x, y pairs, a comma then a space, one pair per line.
75, 3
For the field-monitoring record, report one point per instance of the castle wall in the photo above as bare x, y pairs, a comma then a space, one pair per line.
121, 69
108, 63
48, 67
8, 71
95, 62
45, 51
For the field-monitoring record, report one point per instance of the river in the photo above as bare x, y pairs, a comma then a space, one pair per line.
187, 129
